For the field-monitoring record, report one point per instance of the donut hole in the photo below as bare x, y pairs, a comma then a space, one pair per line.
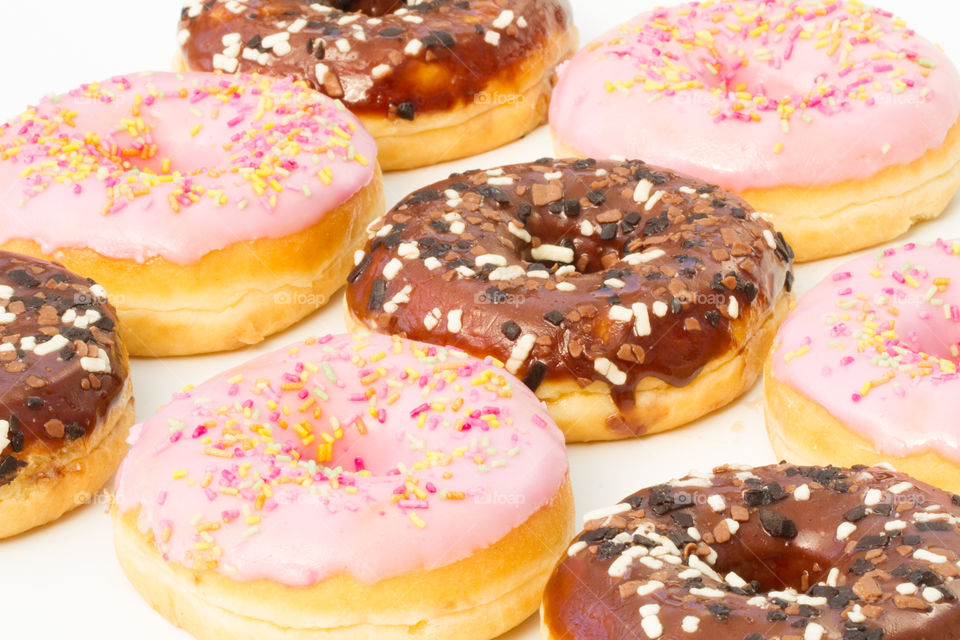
372, 8
357, 452
777, 567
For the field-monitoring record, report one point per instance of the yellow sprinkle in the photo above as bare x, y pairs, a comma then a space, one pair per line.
417, 520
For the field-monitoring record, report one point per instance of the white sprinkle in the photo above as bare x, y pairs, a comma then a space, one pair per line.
295, 27
652, 202
642, 193
620, 313
732, 525
610, 371
501, 181
432, 319
811, 601
503, 20
282, 48
566, 286
813, 631
768, 236
696, 563
735, 581
902, 487
413, 48
932, 595
577, 547
432, 263
552, 253
520, 232
381, 71
4, 434
6, 292
651, 563
408, 250
55, 343
392, 268
845, 530
660, 308
605, 512
651, 626
733, 308
642, 258
520, 352
321, 71
522, 22
183, 36
512, 272
343, 45
802, 493
873, 497
100, 364
492, 37
717, 503
642, 325
906, 588
615, 283
929, 556
6, 317
649, 587
455, 321
833, 578
491, 258
856, 615
586, 228
457, 227
556, 175
270, 41
895, 525
28, 344
690, 624
225, 63
465, 271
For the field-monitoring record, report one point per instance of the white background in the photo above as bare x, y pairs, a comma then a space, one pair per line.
63, 580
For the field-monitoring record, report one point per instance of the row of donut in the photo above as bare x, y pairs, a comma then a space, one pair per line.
628, 297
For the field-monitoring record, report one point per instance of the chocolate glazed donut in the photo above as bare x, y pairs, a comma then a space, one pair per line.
793, 553
632, 299
403, 67
63, 372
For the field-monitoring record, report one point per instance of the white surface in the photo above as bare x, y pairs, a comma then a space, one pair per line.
63, 580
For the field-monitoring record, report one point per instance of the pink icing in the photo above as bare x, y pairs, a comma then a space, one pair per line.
874, 94
451, 464
876, 344
245, 161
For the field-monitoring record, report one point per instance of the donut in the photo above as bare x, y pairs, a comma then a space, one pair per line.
351, 486
864, 366
778, 552
66, 404
834, 117
631, 299
215, 210
432, 80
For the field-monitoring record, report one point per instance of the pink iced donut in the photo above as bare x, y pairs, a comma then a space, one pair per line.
355, 486
865, 367
830, 114
245, 191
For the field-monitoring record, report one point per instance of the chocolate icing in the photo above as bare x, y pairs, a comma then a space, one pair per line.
366, 46
49, 400
704, 264
909, 538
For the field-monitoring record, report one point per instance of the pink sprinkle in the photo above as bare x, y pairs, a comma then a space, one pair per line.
358, 463
430, 487
856, 397
161, 498
955, 313
234, 389
846, 275
846, 361
200, 431
423, 407
845, 292
539, 421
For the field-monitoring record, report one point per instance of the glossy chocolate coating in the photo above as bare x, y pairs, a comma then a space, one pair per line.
383, 58
888, 547
51, 399
714, 266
